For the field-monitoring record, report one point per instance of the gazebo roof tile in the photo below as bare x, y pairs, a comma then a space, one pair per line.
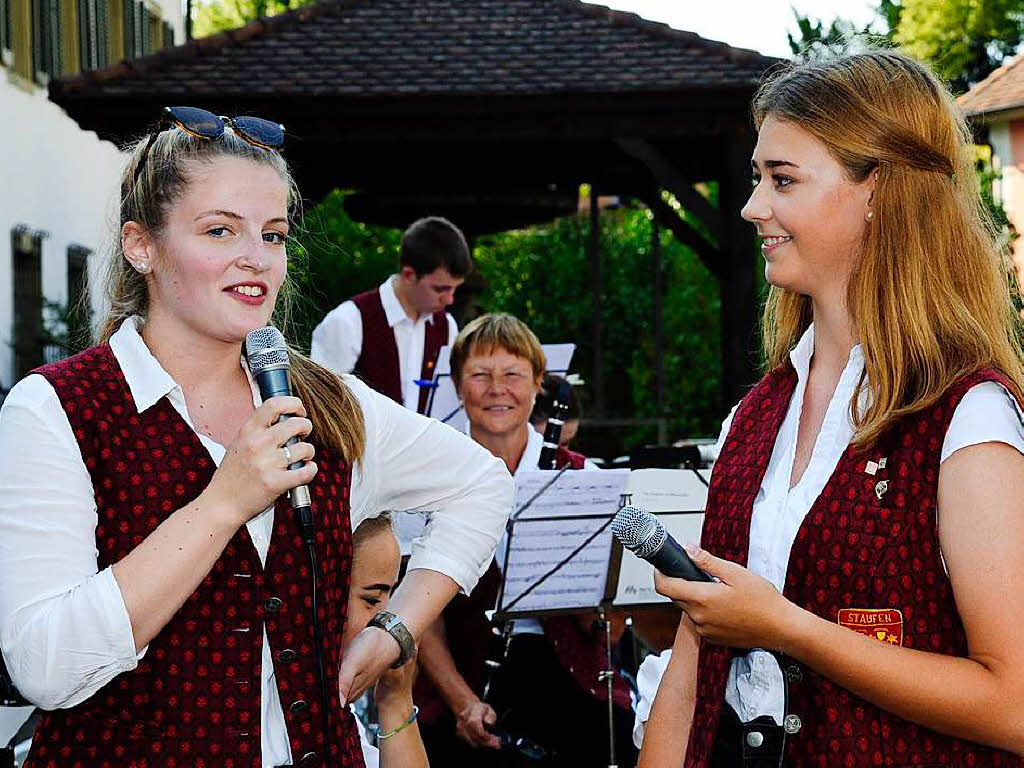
433, 48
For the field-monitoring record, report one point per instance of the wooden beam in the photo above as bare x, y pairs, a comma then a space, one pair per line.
594, 246
738, 282
667, 216
666, 174
659, 333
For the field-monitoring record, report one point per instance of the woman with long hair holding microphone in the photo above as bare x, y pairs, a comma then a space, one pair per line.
865, 520
155, 596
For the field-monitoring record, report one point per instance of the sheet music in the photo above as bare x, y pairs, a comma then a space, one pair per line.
445, 405
678, 498
539, 543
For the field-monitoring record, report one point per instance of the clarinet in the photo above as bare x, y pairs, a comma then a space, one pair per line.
553, 431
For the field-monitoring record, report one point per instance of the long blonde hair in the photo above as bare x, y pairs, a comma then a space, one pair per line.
930, 295
337, 418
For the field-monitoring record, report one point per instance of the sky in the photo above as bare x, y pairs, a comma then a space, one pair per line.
757, 24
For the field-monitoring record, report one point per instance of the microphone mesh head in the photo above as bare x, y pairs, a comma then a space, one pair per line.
265, 348
638, 530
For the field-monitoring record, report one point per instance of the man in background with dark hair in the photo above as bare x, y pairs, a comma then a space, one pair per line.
390, 336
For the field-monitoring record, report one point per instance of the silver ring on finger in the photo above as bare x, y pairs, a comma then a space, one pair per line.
287, 456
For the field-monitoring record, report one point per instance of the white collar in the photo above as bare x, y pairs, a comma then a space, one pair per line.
146, 378
393, 310
800, 355
531, 454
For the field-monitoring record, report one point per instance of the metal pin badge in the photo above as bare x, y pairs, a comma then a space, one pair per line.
871, 468
880, 488
881, 462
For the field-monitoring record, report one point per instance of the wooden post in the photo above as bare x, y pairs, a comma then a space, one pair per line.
659, 335
737, 284
595, 293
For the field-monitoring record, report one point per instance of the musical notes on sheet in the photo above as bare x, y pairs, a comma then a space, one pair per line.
551, 520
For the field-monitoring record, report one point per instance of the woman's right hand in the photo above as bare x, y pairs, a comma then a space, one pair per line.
254, 472
472, 723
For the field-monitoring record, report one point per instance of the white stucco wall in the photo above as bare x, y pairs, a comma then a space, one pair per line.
1010, 188
172, 11
57, 178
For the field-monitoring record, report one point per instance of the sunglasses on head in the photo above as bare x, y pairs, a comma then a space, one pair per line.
206, 125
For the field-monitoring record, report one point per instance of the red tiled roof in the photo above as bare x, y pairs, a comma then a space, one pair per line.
1003, 89
431, 47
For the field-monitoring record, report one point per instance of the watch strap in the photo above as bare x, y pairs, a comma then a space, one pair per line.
393, 625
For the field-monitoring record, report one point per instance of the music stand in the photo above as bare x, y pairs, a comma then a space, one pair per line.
577, 550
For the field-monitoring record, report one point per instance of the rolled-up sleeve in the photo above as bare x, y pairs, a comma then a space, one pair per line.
416, 463
64, 628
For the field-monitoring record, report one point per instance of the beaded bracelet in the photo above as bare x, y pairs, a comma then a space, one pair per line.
403, 726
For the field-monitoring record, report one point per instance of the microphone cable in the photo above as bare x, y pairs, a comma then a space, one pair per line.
267, 356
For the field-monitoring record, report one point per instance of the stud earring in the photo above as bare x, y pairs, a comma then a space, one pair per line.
141, 267
871, 215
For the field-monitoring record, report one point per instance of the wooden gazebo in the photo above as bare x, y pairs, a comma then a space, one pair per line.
491, 112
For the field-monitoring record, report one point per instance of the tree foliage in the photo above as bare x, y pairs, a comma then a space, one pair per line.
963, 40
212, 16
541, 274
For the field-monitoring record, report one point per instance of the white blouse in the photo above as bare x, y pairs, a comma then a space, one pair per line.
987, 413
64, 628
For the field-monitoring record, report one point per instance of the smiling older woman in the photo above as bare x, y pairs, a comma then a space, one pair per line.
546, 690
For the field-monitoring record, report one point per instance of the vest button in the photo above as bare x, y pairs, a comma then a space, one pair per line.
792, 724
272, 605
287, 656
308, 760
794, 674
755, 739
297, 706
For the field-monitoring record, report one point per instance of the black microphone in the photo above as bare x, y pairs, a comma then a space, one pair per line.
643, 534
267, 354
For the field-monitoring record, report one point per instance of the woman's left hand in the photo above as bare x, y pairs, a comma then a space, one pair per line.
741, 610
367, 657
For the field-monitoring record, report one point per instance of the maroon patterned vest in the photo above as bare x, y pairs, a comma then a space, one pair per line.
378, 360
580, 650
194, 699
856, 549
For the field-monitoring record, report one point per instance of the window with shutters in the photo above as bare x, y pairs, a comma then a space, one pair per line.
45, 39
133, 23
79, 312
27, 255
94, 33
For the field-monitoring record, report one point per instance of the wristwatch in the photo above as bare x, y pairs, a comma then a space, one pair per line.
393, 625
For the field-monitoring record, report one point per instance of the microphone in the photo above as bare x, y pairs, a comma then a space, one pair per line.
643, 534
267, 353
